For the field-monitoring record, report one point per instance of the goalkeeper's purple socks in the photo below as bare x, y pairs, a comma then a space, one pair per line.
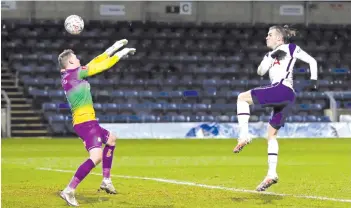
107, 157
83, 170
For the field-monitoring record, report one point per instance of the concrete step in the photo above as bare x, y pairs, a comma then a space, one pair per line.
29, 133
22, 111
28, 126
6, 75
31, 119
7, 80
15, 95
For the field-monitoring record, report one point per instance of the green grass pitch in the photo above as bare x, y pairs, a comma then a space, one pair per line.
308, 169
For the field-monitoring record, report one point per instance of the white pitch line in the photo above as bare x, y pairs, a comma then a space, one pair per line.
208, 186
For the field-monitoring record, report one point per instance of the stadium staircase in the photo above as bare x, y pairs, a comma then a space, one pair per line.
25, 121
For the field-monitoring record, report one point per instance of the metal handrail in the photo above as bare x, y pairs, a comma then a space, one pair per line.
333, 106
16, 79
8, 114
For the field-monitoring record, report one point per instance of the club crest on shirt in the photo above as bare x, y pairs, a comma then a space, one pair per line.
276, 61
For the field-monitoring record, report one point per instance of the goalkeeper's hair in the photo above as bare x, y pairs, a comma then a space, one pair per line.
63, 58
285, 31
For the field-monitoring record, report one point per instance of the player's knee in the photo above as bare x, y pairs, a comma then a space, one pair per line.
96, 155
96, 159
272, 131
242, 96
111, 140
245, 97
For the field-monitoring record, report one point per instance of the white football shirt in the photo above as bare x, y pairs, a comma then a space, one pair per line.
282, 70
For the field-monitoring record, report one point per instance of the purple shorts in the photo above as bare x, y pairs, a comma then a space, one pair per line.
92, 134
278, 96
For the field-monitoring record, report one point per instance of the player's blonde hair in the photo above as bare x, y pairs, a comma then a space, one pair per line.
285, 31
63, 58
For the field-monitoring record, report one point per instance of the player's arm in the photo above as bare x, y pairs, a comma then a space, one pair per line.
98, 59
305, 57
265, 65
96, 68
117, 45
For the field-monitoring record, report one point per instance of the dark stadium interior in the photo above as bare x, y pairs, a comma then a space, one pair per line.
181, 72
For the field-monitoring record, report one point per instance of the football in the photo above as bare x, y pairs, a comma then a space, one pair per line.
74, 24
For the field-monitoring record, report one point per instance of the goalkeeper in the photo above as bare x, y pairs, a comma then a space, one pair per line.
77, 90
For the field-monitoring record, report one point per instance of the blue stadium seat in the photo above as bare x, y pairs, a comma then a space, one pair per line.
197, 107
265, 118
223, 118
131, 93
207, 118
109, 107
144, 94
149, 118
323, 119
347, 104
179, 118
49, 107
185, 107
310, 119
98, 107
117, 93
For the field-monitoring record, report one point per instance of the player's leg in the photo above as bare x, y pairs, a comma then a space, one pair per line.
83, 170
90, 134
107, 158
277, 121
243, 112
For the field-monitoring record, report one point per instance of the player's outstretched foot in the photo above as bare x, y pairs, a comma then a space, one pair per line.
107, 186
267, 182
69, 197
241, 144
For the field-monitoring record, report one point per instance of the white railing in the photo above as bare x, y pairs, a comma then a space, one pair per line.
335, 111
333, 106
8, 113
16, 79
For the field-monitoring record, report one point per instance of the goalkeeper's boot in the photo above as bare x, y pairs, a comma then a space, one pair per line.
68, 196
241, 144
267, 182
107, 186
116, 46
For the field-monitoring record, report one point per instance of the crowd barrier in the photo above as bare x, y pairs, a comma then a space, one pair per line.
226, 130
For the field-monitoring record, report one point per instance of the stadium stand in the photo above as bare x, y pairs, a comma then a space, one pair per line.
182, 72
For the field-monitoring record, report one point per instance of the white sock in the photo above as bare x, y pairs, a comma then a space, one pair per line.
69, 189
272, 157
243, 112
107, 179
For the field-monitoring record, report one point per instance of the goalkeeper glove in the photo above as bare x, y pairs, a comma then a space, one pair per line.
117, 45
125, 53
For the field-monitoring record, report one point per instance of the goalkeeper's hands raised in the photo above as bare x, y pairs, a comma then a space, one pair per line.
125, 52
116, 46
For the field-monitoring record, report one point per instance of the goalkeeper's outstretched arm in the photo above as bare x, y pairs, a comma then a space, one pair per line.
96, 68
111, 50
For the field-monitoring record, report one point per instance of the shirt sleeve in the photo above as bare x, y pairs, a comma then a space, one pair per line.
305, 57
265, 64
97, 67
